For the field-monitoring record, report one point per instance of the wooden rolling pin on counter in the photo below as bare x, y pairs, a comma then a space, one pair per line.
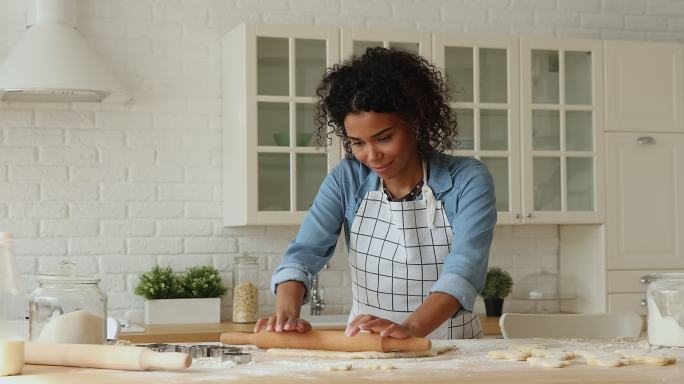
188, 333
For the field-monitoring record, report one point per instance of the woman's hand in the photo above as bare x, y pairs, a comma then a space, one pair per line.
288, 305
376, 324
282, 322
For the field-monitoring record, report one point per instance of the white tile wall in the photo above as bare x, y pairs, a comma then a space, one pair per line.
122, 188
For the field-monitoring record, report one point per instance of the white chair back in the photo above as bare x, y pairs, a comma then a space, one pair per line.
590, 325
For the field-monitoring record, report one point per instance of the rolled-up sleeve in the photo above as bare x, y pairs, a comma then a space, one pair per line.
465, 267
315, 243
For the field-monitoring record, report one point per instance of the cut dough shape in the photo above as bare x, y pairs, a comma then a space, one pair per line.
339, 367
379, 367
511, 355
555, 354
527, 348
436, 350
607, 360
640, 356
547, 362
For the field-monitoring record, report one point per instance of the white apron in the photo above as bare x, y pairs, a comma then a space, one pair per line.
396, 254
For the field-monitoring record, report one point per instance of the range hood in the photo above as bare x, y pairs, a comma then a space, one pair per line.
52, 62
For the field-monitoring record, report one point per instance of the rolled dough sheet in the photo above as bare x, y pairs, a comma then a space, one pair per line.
436, 350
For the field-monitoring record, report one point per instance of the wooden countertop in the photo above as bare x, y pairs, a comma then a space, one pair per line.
188, 333
469, 363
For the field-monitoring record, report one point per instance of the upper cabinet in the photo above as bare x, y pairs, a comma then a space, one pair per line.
533, 110
272, 167
562, 132
482, 76
644, 86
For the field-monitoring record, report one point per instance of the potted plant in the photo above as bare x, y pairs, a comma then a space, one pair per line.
192, 297
498, 285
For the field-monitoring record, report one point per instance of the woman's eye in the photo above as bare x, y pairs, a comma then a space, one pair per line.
384, 138
355, 143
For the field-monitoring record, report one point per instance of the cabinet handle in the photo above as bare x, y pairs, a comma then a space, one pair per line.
645, 140
529, 215
643, 303
517, 216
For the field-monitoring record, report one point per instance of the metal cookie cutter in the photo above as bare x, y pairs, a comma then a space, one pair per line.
219, 351
237, 357
198, 351
158, 347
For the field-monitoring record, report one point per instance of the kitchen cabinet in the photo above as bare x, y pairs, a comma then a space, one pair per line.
272, 167
644, 214
483, 82
532, 111
645, 209
562, 131
644, 86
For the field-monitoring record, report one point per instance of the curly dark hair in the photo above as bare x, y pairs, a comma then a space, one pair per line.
387, 80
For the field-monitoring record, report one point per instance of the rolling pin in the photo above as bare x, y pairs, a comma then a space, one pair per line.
104, 356
328, 341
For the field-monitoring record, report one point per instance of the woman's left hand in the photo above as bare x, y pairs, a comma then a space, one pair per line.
376, 324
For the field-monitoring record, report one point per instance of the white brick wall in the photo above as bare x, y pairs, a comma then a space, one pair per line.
122, 188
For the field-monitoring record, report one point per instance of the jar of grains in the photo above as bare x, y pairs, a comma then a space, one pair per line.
245, 289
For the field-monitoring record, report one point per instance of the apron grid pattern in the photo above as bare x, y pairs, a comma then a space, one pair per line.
378, 238
396, 257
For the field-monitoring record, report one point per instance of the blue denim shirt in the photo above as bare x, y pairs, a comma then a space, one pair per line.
462, 184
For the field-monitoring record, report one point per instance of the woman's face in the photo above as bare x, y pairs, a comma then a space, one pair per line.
384, 142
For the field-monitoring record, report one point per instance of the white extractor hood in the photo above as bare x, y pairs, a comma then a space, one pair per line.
53, 63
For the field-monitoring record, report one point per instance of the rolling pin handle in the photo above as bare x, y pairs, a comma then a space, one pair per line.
168, 361
238, 338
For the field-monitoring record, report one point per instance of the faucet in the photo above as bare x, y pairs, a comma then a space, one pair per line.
317, 302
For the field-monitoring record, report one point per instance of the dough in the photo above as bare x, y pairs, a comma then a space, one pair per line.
77, 327
436, 350
547, 362
556, 354
339, 367
527, 348
380, 367
511, 355
639, 356
606, 360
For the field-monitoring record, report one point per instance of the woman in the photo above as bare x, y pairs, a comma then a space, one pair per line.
418, 223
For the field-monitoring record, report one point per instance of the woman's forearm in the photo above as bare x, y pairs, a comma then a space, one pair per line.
437, 308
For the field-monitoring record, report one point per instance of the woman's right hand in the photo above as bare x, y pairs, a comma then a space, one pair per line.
282, 322
289, 297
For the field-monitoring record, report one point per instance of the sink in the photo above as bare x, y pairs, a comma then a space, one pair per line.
327, 321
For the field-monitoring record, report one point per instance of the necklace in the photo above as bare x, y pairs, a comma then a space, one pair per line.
411, 196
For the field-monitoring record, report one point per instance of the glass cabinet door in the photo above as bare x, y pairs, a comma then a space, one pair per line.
272, 163
561, 131
290, 165
482, 78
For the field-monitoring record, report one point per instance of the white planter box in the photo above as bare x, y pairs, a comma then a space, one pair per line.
183, 311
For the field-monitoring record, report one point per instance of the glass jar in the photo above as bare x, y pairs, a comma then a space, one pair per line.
245, 289
12, 310
545, 289
665, 300
68, 308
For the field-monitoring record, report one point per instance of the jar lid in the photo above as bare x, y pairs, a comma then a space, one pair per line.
68, 274
663, 275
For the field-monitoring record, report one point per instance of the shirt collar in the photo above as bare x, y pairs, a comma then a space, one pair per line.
439, 178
